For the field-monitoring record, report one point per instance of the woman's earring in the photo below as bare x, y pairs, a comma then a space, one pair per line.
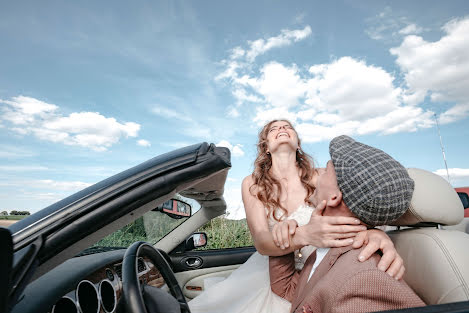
268, 153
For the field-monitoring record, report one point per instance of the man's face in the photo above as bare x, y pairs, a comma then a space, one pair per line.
328, 189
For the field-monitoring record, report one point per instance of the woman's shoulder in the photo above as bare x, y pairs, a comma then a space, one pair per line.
248, 180
249, 184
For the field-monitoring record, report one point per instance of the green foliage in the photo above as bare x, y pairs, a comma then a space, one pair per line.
12, 217
15, 212
125, 236
221, 232
224, 233
150, 228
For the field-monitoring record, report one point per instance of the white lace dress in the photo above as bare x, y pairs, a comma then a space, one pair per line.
247, 289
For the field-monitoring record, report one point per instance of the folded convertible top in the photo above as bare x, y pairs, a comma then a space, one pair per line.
106, 201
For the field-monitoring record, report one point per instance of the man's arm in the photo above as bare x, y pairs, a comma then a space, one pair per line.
283, 275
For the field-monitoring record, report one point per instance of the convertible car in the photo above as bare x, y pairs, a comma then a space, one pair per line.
129, 243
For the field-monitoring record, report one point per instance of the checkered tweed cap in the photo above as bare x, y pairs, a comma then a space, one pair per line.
375, 187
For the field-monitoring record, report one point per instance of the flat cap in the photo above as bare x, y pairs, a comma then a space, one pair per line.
375, 187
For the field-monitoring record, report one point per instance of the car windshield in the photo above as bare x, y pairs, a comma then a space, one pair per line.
151, 227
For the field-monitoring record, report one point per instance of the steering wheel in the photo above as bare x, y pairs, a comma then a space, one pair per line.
148, 299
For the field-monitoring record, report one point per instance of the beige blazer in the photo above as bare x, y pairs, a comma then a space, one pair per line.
340, 284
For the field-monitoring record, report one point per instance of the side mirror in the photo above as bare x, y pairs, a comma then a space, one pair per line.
175, 208
196, 240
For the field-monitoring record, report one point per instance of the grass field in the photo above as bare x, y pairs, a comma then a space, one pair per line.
221, 232
225, 233
12, 217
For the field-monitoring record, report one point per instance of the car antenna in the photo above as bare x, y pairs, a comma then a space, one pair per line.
442, 148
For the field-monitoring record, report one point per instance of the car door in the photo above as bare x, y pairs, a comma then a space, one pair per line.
229, 244
6, 259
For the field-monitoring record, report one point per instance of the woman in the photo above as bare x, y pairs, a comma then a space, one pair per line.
276, 198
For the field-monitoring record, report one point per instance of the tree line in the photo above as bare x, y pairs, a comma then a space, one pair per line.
15, 212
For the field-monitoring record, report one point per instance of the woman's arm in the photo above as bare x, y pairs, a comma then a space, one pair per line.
373, 239
257, 223
322, 231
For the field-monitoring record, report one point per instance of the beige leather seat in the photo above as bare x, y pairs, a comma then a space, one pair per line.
463, 226
436, 259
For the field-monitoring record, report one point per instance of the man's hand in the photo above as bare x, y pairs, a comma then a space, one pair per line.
328, 231
375, 239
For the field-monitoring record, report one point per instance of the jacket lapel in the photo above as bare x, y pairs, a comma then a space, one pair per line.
327, 262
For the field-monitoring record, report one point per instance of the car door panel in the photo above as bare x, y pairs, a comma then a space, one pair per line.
210, 258
196, 270
195, 282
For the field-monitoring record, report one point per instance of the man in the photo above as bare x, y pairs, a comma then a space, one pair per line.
359, 181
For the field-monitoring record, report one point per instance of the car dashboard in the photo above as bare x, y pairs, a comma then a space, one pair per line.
87, 284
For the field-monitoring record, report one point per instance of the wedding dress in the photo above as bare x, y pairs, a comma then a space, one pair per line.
247, 289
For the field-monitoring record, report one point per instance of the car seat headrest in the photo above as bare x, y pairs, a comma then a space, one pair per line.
434, 201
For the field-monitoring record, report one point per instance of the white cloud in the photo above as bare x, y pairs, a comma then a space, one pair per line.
241, 59
170, 114
143, 143
454, 173
86, 129
242, 96
353, 89
389, 26
189, 127
60, 185
411, 29
234, 204
236, 150
8, 151
22, 168
439, 69
350, 96
233, 112
279, 85
383, 25
265, 114
261, 46
346, 96
48, 184
454, 113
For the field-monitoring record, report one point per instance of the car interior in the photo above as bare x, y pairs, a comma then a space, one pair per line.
435, 258
46, 275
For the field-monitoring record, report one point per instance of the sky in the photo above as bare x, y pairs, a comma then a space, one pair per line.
91, 88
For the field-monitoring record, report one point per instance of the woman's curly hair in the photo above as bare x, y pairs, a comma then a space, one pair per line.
267, 186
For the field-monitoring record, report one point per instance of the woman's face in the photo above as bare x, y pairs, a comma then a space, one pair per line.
281, 135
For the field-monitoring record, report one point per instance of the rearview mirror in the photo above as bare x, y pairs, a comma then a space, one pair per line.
175, 208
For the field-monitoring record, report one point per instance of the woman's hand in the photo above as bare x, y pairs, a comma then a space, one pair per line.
375, 239
282, 232
321, 231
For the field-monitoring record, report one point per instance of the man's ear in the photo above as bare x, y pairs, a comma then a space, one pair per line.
335, 199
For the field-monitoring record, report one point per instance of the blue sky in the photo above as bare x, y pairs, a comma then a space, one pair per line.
92, 88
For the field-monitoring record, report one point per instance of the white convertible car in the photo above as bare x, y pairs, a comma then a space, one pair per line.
73, 256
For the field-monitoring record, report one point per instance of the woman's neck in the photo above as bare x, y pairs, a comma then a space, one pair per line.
284, 165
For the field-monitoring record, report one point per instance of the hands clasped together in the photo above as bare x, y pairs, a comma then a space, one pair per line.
339, 231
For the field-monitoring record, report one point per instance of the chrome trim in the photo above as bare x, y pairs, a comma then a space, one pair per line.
96, 293
100, 295
69, 298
